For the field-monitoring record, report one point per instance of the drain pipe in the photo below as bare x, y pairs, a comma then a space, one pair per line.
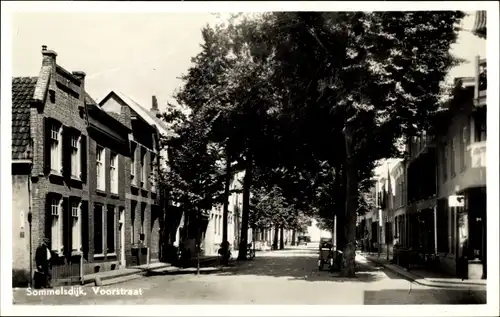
30, 217
30, 222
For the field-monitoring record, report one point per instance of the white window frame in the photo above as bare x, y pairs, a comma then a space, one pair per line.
76, 226
100, 168
56, 227
144, 176
113, 172
75, 156
56, 148
133, 169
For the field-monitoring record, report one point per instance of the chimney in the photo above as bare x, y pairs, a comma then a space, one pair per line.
154, 107
49, 57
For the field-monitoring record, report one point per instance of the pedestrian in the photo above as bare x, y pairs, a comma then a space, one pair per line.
43, 258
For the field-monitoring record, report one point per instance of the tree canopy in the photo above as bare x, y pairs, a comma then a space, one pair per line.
308, 102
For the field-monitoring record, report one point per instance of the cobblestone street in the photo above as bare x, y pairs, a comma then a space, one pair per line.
277, 277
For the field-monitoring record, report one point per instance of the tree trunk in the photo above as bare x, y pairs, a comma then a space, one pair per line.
340, 177
227, 186
275, 239
349, 269
282, 238
247, 183
293, 237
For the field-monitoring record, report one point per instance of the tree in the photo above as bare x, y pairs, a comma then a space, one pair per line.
227, 87
193, 176
377, 74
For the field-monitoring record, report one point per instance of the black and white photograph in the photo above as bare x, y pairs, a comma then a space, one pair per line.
229, 157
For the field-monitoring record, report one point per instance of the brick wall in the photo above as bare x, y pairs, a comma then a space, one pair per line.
20, 226
106, 198
63, 107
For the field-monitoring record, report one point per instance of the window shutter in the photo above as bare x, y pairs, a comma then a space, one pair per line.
46, 145
65, 216
66, 148
85, 228
83, 158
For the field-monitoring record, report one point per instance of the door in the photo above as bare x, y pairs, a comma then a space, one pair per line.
122, 237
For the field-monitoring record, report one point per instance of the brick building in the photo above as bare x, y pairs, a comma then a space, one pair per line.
104, 233
49, 178
143, 215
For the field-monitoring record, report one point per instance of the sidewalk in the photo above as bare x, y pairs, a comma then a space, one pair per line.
426, 277
159, 268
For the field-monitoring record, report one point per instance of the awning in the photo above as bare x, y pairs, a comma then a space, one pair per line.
479, 28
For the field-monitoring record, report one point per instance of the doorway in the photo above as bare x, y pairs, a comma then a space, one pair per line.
122, 237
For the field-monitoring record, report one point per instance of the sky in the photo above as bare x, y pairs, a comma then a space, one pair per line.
139, 54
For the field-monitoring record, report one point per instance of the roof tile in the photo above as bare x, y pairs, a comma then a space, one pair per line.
23, 89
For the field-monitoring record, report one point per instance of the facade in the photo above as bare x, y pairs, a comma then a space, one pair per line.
461, 241
399, 205
50, 184
109, 158
143, 215
212, 237
421, 194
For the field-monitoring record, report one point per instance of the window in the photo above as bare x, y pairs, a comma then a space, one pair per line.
100, 168
220, 223
442, 224
143, 209
113, 172
153, 171
133, 172
445, 161
56, 148
480, 127
463, 148
144, 175
110, 229
452, 157
75, 156
452, 228
133, 206
56, 228
76, 224
98, 230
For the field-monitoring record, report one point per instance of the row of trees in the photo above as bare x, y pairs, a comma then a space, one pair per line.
305, 103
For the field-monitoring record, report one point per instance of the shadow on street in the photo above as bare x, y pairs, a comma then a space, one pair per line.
300, 263
421, 296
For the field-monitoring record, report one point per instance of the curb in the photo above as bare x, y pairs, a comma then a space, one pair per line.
134, 271
422, 281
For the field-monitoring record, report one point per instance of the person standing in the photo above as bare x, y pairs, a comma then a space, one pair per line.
42, 259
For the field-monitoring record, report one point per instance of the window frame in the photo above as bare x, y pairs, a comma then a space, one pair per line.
98, 208
144, 175
76, 230
133, 163
111, 211
76, 157
113, 172
100, 168
56, 148
56, 231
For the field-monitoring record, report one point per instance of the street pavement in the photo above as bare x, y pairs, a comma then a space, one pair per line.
281, 277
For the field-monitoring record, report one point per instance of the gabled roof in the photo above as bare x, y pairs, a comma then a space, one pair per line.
89, 100
146, 115
23, 89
